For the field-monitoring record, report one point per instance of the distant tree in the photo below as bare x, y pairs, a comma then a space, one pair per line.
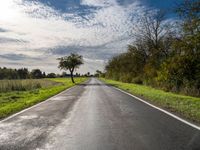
70, 63
8, 73
88, 74
77, 74
23, 73
98, 73
44, 75
36, 74
51, 75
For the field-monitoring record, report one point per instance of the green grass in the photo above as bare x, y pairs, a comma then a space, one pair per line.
186, 106
17, 100
25, 85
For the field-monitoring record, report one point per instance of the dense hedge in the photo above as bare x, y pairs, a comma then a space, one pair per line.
162, 57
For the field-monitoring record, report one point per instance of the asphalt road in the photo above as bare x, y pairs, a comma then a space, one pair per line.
94, 116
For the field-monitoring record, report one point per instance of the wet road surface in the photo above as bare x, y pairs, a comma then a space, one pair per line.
94, 116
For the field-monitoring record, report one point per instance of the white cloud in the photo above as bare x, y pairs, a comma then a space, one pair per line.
98, 3
38, 28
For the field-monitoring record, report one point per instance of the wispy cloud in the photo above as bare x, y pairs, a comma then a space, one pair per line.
17, 57
97, 29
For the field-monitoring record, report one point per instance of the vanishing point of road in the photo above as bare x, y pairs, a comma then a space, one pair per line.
95, 116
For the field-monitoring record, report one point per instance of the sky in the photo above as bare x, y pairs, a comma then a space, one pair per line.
34, 33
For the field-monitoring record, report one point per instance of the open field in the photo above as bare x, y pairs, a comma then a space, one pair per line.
16, 95
186, 106
25, 85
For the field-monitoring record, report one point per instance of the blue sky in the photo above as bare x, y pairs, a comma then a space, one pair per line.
33, 33
64, 5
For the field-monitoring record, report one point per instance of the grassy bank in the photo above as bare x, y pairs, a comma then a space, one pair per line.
186, 106
16, 95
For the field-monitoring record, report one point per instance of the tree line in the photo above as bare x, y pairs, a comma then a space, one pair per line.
23, 73
163, 54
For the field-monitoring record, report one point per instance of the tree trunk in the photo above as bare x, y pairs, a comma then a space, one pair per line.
71, 73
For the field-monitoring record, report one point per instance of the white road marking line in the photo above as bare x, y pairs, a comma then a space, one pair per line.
12, 116
162, 110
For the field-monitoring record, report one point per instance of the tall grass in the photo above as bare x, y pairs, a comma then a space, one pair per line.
26, 93
25, 85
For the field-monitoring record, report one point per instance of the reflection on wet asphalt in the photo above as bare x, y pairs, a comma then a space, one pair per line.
94, 116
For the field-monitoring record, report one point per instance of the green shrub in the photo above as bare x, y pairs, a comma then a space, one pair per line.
127, 78
137, 80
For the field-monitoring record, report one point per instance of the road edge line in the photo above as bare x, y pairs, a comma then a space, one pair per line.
20, 112
160, 109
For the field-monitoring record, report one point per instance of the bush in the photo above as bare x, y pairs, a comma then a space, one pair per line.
126, 78
137, 80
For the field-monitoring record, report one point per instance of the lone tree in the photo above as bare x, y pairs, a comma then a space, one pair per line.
70, 63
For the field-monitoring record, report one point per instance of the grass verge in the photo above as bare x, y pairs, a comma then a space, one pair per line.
186, 106
15, 101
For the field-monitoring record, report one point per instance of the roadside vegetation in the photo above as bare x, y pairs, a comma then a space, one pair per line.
163, 61
163, 54
16, 95
185, 106
25, 85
